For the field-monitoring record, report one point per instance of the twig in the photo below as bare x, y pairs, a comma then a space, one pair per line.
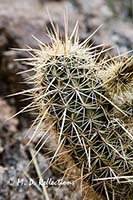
39, 173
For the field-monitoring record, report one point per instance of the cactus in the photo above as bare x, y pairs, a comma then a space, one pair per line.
118, 79
70, 92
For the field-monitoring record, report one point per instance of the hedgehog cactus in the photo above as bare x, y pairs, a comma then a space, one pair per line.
70, 92
118, 79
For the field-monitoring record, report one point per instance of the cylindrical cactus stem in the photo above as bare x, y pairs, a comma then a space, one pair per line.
70, 92
117, 77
